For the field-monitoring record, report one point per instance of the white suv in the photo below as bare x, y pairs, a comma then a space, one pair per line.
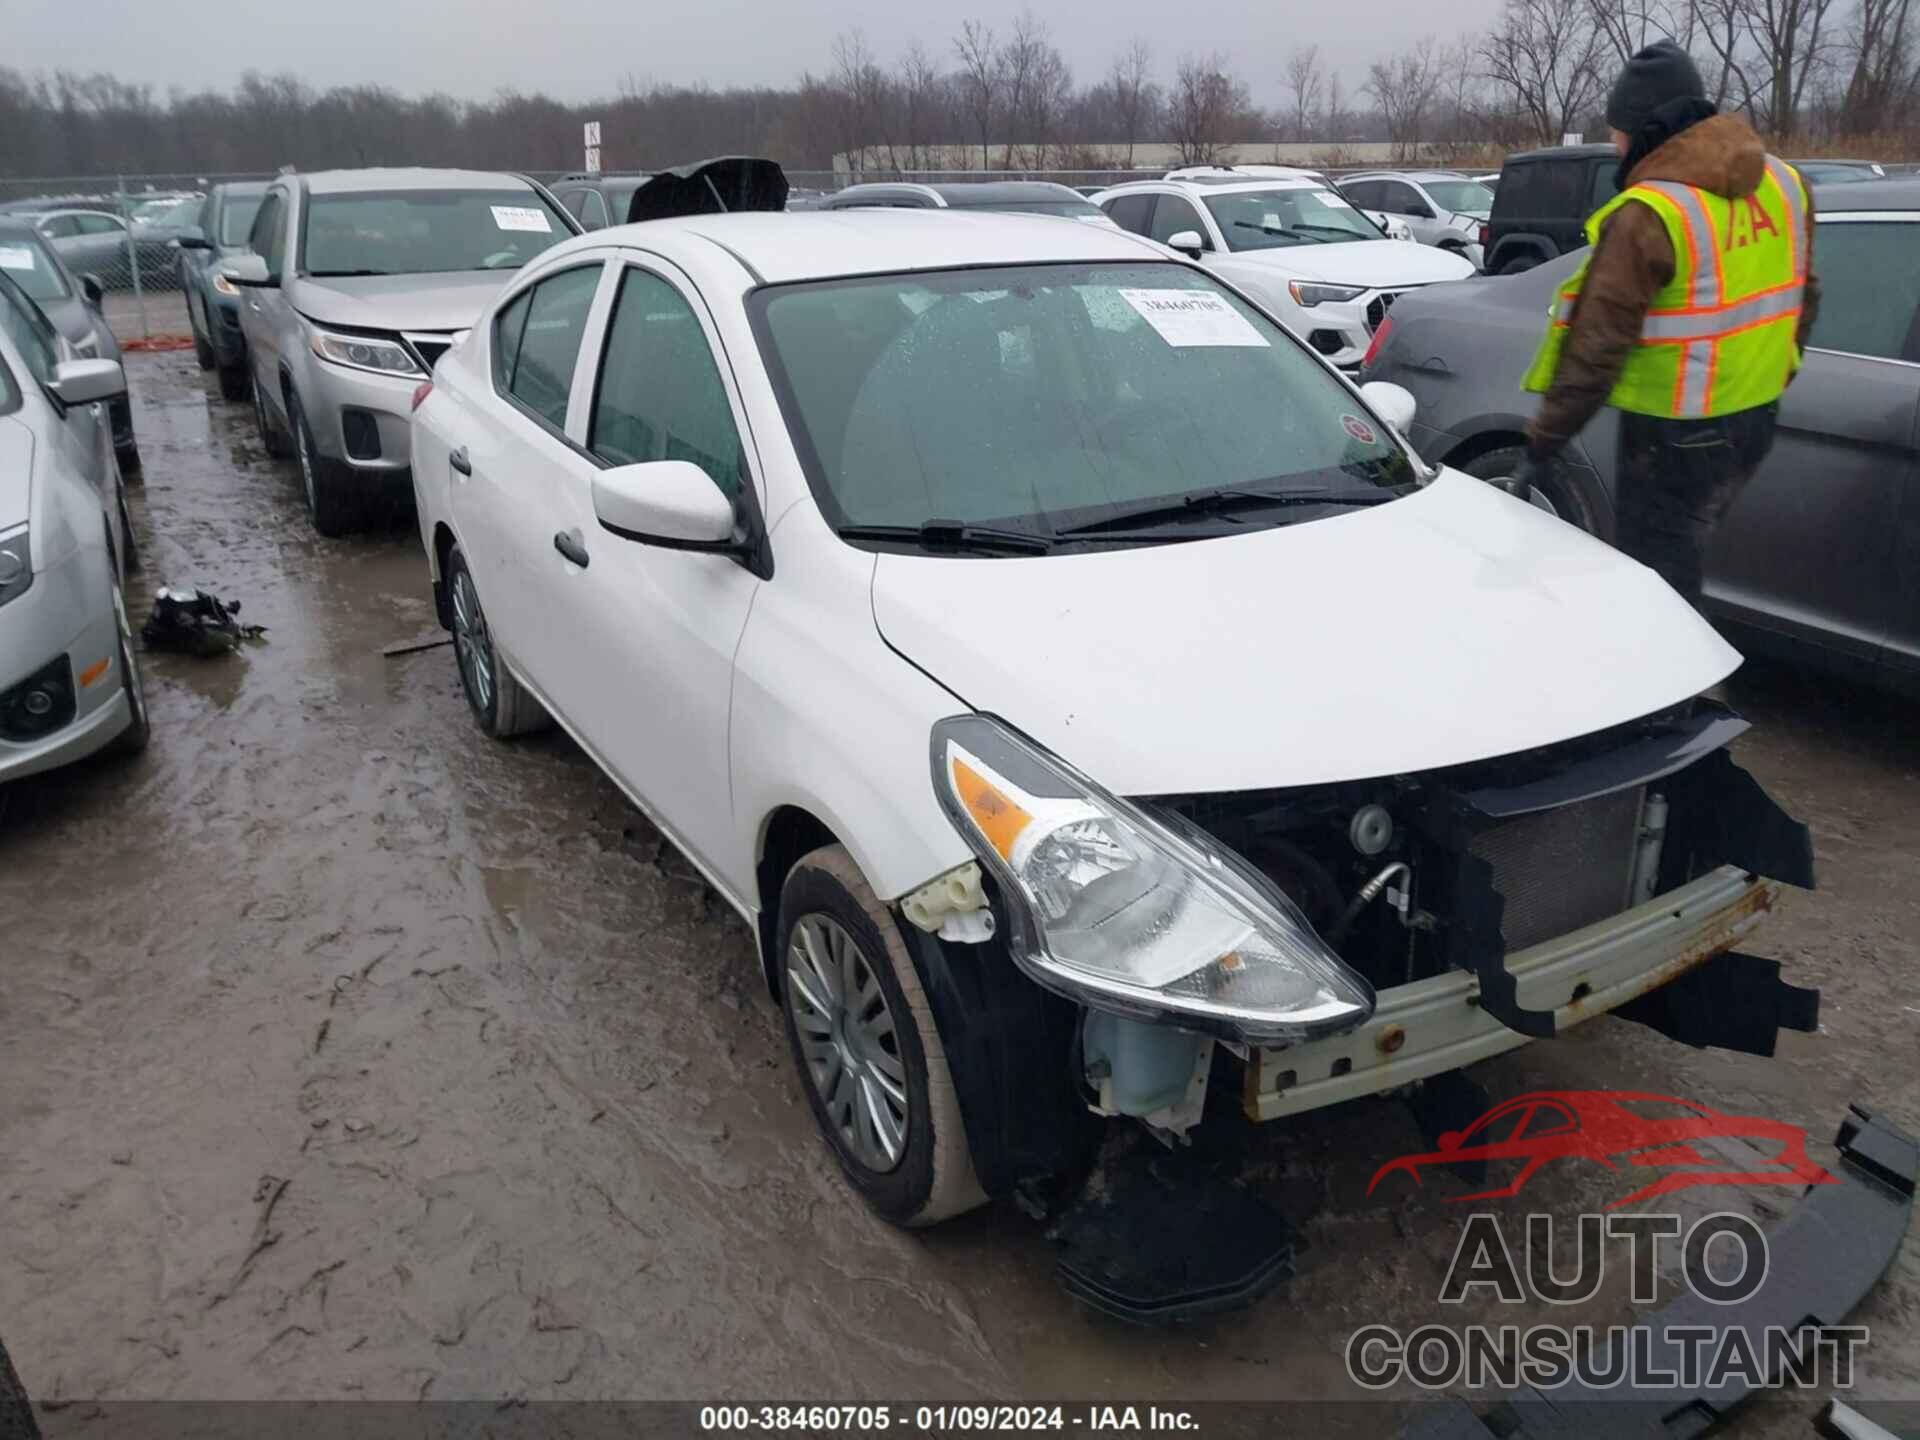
1297, 246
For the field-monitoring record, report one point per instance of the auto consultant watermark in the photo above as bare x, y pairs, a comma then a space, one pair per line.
1723, 1260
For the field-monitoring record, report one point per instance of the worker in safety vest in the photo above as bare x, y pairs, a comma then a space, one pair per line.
1688, 316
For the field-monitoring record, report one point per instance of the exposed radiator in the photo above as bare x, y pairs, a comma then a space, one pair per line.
1561, 869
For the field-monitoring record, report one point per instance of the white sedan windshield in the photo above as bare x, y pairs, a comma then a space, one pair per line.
1043, 398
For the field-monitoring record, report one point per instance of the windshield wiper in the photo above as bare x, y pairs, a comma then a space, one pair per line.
1217, 502
1277, 230
953, 535
343, 274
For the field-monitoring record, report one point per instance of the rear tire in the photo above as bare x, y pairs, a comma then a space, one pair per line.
1519, 264
333, 500
864, 1041
500, 704
233, 382
1562, 496
202, 350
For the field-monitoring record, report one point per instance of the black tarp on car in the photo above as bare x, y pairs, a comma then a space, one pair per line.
710, 187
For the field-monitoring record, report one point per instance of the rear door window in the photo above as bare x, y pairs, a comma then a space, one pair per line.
1174, 214
1869, 287
547, 348
1131, 212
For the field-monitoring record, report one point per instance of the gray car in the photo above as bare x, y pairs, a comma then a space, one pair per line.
1819, 559
72, 303
69, 670
1441, 207
356, 282
213, 304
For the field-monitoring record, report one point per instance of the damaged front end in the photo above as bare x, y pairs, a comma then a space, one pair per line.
1506, 900
1346, 939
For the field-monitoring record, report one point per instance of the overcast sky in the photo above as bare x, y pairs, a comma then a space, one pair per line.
575, 49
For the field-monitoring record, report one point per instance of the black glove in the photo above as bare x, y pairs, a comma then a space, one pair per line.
1532, 474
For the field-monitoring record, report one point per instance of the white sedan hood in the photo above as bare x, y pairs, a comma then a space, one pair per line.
16, 474
1452, 625
1377, 264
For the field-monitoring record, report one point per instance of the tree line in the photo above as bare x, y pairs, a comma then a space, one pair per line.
1830, 72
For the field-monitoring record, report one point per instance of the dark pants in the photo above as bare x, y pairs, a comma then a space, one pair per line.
1675, 479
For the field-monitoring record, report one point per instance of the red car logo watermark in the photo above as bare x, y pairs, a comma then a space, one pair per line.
1621, 1129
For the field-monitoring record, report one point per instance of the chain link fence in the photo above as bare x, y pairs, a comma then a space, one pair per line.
123, 233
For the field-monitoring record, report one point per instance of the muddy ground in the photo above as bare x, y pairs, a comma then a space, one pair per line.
347, 1053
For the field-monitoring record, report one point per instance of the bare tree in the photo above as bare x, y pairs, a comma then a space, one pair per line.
980, 78
1879, 68
1543, 59
916, 94
860, 90
1628, 26
1333, 116
1404, 86
1136, 98
1790, 50
1036, 82
1304, 79
1208, 109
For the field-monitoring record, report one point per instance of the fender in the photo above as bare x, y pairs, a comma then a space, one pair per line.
1516, 243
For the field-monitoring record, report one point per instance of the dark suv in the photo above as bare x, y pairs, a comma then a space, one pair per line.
597, 201
1541, 205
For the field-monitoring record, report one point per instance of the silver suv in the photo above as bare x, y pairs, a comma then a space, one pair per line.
1441, 207
356, 282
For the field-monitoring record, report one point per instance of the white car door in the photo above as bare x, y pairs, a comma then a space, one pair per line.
633, 644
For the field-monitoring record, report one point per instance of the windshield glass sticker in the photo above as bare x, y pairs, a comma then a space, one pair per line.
1193, 317
1358, 429
1332, 201
522, 217
16, 257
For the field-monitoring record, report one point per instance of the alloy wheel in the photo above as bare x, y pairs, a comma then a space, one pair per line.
472, 645
849, 1040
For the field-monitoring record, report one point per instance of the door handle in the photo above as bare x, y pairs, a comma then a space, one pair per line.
458, 460
567, 542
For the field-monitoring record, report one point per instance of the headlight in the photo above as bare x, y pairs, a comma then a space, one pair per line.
363, 352
1132, 912
1307, 295
224, 285
16, 565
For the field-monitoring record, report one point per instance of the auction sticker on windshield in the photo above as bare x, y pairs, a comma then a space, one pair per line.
1332, 201
522, 217
16, 257
1193, 317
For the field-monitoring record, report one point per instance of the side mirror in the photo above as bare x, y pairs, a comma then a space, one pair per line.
1187, 242
194, 239
1391, 403
95, 292
81, 382
673, 503
249, 270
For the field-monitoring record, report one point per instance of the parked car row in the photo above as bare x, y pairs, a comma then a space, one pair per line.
70, 682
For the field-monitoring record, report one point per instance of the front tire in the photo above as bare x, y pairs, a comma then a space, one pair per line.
332, 501
500, 703
1562, 496
1519, 264
133, 739
233, 382
202, 349
272, 440
864, 1041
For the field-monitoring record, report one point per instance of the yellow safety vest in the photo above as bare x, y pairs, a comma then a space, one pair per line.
1719, 337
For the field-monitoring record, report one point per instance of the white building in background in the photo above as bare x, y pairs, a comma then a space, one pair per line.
1155, 157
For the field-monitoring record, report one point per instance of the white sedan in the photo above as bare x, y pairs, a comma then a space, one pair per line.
1068, 675
69, 671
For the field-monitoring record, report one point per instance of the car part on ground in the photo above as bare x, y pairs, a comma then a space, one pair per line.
196, 622
1822, 1261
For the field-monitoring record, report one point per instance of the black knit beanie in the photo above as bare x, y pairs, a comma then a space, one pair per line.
1656, 76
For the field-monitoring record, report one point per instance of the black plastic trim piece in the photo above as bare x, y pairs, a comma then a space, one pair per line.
1730, 1002
1655, 757
1824, 1259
